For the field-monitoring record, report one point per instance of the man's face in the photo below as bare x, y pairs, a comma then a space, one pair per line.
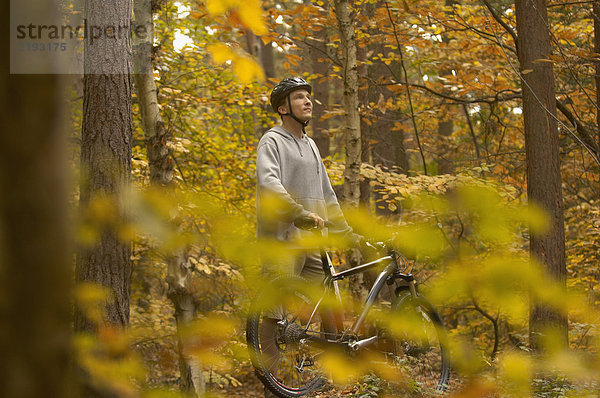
301, 105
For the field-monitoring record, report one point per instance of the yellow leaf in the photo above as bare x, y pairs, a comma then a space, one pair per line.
250, 13
217, 7
247, 70
381, 104
220, 52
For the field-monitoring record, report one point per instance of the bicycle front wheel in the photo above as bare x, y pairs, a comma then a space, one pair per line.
418, 344
283, 319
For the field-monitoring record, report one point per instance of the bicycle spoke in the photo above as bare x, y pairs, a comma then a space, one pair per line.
286, 355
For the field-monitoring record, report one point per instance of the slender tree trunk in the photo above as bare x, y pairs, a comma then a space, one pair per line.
352, 118
596, 16
387, 146
266, 52
157, 136
262, 52
320, 94
253, 44
35, 258
352, 131
106, 153
445, 120
368, 121
161, 174
542, 155
267, 59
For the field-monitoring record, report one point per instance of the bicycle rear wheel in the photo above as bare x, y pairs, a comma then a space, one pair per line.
282, 318
417, 344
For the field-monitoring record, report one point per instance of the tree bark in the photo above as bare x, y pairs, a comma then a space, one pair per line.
352, 118
366, 131
35, 292
321, 67
445, 120
267, 59
106, 154
262, 52
157, 137
320, 94
596, 16
387, 148
161, 174
35, 258
542, 156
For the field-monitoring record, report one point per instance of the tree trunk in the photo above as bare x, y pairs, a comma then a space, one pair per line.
267, 59
261, 52
352, 117
267, 54
445, 120
542, 155
352, 132
253, 44
321, 67
161, 174
387, 148
157, 137
368, 121
35, 258
596, 16
106, 153
320, 94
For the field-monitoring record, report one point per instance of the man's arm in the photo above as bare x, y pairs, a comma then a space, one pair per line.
275, 200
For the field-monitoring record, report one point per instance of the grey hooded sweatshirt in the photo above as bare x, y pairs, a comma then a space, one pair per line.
290, 170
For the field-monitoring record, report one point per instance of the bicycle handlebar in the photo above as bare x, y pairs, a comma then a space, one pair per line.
308, 223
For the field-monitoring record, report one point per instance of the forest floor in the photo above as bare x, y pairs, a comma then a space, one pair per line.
251, 387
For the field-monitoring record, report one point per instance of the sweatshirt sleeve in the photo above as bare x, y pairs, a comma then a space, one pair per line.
274, 198
334, 212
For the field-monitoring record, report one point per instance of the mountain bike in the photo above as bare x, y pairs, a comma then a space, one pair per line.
292, 328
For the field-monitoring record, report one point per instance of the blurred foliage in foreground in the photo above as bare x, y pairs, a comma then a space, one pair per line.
466, 236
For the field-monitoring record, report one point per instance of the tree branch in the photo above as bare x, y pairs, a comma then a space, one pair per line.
497, 17
490, 99
494, 322
464, 106
569, 3
333, 60
480, 33
586, 137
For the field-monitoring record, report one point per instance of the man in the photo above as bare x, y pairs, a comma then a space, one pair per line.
289, 169
293, 186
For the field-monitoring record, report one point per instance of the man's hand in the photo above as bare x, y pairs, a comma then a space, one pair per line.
319, 222
357, 241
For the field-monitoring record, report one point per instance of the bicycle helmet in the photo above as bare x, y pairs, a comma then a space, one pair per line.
283, 89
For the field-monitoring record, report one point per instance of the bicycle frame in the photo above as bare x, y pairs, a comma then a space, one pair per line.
391, 272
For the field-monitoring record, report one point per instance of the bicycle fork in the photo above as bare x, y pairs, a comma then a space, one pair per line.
406, 281
377, 286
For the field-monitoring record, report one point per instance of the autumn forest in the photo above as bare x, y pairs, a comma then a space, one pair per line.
463, 133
